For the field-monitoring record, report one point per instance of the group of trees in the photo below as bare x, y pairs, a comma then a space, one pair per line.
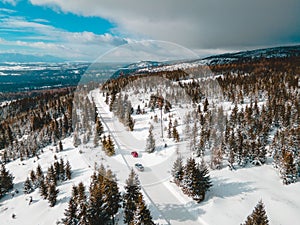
192, 177
108, 145
44, 119
264, 102
105, 201
58, 172
135, 209
6, 181
122, 108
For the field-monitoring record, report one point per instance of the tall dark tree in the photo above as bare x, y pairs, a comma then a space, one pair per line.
97, 209
6, 180
43, 189
258, 216
99, 127
109, 146
142, 214
178, 170
130, 198
60, 145
70, 213
111, 195
52, 194
150, 142
68, 171
28, 187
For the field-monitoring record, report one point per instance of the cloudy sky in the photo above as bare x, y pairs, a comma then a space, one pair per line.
86, 29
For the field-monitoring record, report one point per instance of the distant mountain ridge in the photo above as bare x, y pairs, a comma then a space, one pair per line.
24, 58
242, 56
276, 52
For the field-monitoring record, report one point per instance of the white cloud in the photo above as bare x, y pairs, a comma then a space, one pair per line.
195, 23
35, 35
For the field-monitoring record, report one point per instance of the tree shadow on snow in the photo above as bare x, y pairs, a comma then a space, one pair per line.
181, 213
224, 188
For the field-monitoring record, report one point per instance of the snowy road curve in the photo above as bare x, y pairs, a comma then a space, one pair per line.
155, 180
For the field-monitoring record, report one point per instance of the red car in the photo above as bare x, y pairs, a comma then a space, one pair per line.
134, 154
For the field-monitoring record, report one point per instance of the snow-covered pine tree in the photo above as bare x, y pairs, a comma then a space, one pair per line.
81, 202
70, 213
39, 174
142, 214
76, 140
258, 216
130, 198
52, 194
203, 182
128, 118
188, 177
61, 147
109, 146
68, 171
28, 187
170, 129
175, 134
96, 140
51, 176
178, 170
111, 195
150, 142
96, 211
6, 180
43, 189
62, 171
33, 179
99, 127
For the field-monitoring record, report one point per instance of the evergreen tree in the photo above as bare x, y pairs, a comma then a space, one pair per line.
61, 148
97, 209
96, 140
43, 189
52, 194
189, 176
109, 146
175, 134
6, 180
130, 198
258, 216
150, 142
68, 170
82, 204
33, 178
142, 215
28, 187
177, 170
62, 171
128, 120
51, 176
70, 213
99, 127
39, 174
170, 129
111, 195
203, 182
205, 105
76, 140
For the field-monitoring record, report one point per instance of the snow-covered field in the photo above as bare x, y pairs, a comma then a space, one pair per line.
231, 199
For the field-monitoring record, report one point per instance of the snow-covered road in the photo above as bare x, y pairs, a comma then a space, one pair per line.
171, 206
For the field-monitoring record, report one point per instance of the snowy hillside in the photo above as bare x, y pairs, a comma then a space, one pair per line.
210, 145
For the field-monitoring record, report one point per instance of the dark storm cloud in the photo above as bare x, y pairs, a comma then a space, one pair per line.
197, 23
